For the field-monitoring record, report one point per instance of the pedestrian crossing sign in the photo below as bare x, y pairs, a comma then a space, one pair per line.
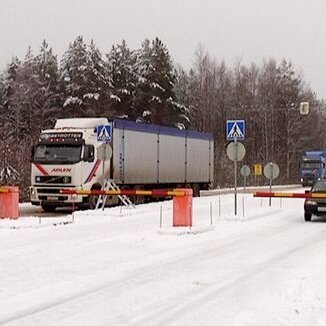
235, 129
104, 133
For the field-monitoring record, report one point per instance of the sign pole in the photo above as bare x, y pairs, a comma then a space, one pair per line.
235, 176
245, 172
270, 185
235, 130
244, 184
270, 190
271, 171
103, 175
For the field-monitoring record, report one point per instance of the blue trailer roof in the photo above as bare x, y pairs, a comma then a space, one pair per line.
155, 129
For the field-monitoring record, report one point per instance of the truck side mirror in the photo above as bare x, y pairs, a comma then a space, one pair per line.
88, 153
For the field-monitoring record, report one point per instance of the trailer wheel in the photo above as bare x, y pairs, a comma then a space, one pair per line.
138, 199
195, 190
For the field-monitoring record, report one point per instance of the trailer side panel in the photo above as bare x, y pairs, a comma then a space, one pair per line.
172, 158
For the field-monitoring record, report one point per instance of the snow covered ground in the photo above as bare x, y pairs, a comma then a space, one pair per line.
264, 266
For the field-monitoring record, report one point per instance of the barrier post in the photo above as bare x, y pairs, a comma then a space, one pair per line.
182, 208
9, 202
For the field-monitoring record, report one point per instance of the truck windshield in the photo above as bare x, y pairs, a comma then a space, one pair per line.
311, 165
64, 154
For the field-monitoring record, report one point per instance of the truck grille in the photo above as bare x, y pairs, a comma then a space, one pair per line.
48, 191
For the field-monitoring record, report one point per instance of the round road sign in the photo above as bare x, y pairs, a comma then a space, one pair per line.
104, 152
235, 151
245, 171
271, 171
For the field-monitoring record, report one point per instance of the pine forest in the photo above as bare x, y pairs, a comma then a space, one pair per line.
145, 85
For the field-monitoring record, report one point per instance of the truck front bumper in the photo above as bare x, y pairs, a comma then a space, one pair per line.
53, 195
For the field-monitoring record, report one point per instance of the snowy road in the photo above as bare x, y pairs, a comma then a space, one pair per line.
265, 266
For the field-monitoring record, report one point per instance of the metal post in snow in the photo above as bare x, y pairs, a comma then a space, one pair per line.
211, 212
270, 190
219, 206
160, 216
270, 183
244, 184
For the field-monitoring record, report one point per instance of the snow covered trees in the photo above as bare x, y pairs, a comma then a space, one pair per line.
267, 97
155, 94
30, 91
144, 85
84, 80
121, 67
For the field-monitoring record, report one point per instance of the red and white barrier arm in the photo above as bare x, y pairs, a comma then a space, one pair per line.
154, 193
289, 195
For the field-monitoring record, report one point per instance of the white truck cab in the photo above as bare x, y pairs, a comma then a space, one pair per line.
66, 157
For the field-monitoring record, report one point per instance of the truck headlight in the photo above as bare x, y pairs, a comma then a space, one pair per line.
33, 192
66, 179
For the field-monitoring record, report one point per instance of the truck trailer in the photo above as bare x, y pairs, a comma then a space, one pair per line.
142, 157
312, 167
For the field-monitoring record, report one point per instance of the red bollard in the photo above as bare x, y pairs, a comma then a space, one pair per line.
182, 208
9, 202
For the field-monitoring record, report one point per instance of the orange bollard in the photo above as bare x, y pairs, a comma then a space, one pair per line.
182, 208
9, 202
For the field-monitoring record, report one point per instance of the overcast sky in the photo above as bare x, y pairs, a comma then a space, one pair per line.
228, 29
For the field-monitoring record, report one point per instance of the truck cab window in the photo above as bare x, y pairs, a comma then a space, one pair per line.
88, 153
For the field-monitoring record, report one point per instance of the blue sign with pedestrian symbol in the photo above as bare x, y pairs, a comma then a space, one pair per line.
235, 129
104, 133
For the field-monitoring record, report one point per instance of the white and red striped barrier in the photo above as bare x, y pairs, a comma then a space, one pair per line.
154, 193
290, 195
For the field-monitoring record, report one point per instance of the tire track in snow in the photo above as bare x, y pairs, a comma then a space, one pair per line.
146, 275
170, 314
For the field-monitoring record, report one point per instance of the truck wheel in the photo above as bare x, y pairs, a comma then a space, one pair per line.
92, 201
48, 207
307, 217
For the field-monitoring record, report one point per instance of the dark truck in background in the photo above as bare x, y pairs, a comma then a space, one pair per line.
312, 167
